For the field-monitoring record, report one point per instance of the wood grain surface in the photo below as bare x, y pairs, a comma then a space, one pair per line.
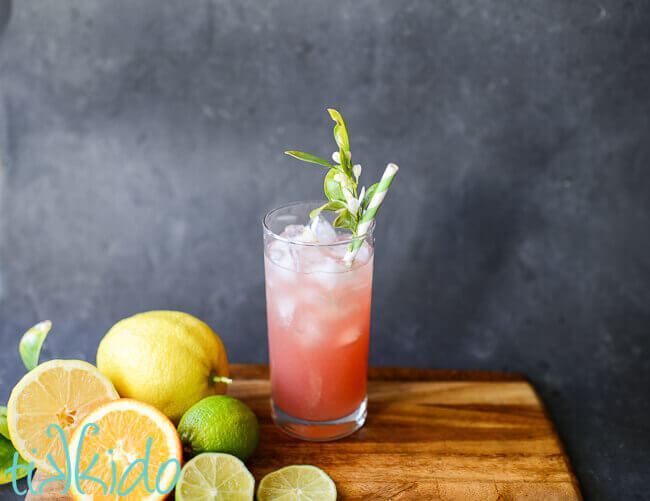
430, 435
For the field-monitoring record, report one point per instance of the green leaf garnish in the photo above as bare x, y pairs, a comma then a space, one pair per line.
333, 187
31, 343
329, 206
344, 219
341, 183
7, 452
340, 130
342, 180
306, 157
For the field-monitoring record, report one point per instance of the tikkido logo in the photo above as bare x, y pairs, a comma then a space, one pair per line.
117, 485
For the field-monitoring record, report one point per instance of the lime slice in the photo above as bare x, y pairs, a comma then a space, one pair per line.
215, 476
302, 482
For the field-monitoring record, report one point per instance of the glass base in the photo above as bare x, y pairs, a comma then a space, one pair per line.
320, 431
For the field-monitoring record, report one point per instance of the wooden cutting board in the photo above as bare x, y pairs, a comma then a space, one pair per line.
448, 435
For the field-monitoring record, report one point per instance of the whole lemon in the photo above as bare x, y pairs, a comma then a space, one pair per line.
168, 359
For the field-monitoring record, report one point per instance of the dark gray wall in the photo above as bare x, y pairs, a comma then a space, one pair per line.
142, 142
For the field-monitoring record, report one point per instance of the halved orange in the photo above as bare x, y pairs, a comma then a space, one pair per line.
115, 450
60, 392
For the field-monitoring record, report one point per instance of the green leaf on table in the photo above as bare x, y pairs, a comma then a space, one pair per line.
306, 157
329, 206
4, 429
333, 187
368, 196
31, 343
7, 452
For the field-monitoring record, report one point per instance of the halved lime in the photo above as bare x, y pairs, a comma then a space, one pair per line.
298, 482
215, 476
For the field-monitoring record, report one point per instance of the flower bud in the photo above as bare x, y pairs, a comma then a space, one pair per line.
353, 205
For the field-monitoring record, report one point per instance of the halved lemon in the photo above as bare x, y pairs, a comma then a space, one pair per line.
60, 392
215, 476
122, 437
297, 483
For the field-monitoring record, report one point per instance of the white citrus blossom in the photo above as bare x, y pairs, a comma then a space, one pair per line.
356, 170
347, 189
336, 156
353, 204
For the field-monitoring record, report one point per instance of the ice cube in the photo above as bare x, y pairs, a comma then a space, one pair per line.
298, 233
279, 253
338, 251
309, 331
330, 273
322, 265
349, 336
318, 259
292, 231
323, 231
285, 305
312, 296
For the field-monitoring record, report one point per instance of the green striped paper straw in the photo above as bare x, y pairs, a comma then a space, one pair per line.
371, 211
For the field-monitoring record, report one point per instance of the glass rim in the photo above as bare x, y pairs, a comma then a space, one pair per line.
347, 241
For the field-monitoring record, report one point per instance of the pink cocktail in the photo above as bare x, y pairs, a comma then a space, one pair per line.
318, 313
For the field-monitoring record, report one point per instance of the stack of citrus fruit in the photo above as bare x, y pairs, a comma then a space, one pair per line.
168, 367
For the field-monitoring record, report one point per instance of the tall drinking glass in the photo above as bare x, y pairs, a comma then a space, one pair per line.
318, 316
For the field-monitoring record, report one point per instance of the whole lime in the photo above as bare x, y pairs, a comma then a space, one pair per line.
220, 424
